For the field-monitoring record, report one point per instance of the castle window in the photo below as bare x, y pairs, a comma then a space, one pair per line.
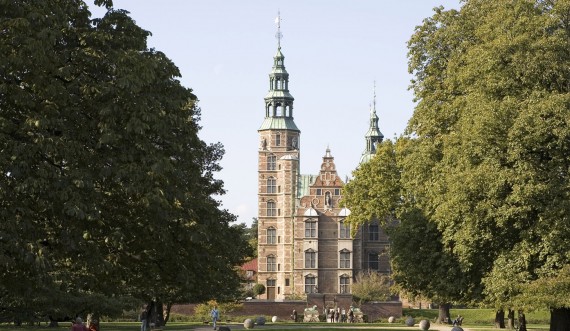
271, 235
271, 162
278, 140
336, 191
373, 261
344, 284
271, 263
286, 281
271, 208
310, 284
319, 191
373, 232
310, 259
344, 259
271, 185
344, 230
310, 229
271, 283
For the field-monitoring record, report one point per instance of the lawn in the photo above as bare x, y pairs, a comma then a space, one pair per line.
475, 320
187, 326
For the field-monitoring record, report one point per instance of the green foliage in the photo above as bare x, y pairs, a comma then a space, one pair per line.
203, 310
493, 110
107, 191
491, 82
366, 200
482, 173
371, 286
258, 289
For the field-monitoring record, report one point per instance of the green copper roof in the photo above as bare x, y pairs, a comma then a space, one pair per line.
366, 157
305, 181
278, 123
278, 94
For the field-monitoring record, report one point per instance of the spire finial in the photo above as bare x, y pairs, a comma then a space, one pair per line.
278, 35
374, 90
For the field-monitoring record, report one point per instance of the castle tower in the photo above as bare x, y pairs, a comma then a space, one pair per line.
373, 136
278, 171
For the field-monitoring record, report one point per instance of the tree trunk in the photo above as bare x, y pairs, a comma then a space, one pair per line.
511, 319
53, 323
443, 316
522, 321
500, 319
159, 314
167, 312
560, 319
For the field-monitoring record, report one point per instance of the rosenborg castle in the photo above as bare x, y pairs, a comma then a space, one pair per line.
304, 246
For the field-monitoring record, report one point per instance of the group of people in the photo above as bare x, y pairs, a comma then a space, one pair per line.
333, 315
78, 325
340, 316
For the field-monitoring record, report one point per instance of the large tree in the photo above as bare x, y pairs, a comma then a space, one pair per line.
390, 187
495, 110
492, 140
106, 190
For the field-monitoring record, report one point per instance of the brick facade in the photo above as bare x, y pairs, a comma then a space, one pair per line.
303, 245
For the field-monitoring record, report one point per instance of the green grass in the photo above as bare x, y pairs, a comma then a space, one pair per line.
475, 320
476, 316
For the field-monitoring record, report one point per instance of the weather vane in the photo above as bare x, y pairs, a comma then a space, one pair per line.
278, 35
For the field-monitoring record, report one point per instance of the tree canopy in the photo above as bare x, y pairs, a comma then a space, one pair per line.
489, 155
107, 191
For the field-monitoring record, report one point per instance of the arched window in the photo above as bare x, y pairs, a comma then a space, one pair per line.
344, 230
271, 161
271, 235
271, 185
271, 263
344, 284
271, 208
310, 259
310, 284
344, 259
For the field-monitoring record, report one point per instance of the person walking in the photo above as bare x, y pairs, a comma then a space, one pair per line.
215, 315
143, 317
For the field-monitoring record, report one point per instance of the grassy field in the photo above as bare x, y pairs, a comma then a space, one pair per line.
475, 320
187, 326
476, 316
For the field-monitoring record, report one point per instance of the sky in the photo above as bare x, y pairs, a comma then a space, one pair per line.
334, 52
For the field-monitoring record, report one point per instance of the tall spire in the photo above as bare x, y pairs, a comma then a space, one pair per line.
279, 102
373, 136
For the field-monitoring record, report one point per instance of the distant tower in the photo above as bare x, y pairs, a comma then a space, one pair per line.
278, 171
373, 136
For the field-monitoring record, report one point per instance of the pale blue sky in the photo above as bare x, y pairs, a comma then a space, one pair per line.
334, 51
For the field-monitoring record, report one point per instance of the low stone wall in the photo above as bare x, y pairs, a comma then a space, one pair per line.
283, 309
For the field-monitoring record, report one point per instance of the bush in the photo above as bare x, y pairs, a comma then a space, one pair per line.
258, 289
202, 311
